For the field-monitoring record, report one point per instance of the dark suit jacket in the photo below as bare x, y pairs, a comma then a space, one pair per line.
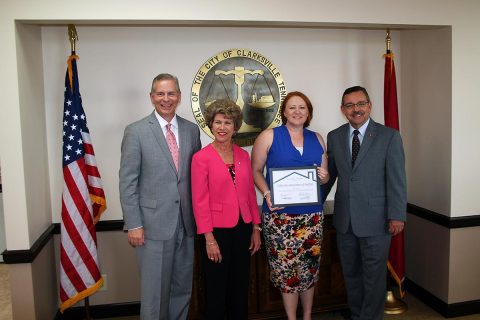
151, 190
374, 190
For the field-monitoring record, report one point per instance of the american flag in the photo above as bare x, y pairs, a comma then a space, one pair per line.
83, 200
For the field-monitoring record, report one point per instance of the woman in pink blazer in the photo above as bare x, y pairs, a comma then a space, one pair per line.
226, 213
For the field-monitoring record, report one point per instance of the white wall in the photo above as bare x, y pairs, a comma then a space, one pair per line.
34, 143
117, 65
427, 117
465, 111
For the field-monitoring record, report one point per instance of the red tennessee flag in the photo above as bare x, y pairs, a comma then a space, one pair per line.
83, 200
396, 256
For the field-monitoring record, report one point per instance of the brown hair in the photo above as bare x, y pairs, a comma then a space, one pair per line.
226, 107
304, 98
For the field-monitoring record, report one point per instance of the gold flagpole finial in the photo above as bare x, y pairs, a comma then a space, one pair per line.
72, 36
388, 40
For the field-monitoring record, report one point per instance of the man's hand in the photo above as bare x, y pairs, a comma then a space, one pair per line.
395, 227
136, 237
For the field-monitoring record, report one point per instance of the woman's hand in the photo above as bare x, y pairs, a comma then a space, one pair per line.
323, 175
213, 250
255, 240
268, 199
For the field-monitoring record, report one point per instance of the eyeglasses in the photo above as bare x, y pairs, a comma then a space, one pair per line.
360, 104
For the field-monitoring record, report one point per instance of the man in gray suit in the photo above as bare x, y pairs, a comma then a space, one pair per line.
156, 201
370, 201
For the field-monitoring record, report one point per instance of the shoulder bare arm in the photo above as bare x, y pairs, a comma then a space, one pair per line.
259, 158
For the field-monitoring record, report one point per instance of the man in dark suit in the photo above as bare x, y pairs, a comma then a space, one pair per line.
155, 196
367, 160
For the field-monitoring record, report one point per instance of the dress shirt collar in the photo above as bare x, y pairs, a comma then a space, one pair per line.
362, 129
164, 122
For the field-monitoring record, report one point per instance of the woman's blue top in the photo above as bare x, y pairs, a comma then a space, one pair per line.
283, 154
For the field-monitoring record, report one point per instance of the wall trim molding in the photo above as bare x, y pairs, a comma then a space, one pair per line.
447, 310
440, 219
108, 225
101, 311
133, 309
29, 255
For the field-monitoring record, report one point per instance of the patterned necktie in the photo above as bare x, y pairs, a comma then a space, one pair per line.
172, 144
355, 146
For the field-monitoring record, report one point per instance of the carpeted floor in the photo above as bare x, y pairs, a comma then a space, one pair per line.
5, 302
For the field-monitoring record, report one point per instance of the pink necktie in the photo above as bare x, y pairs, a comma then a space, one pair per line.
172, 145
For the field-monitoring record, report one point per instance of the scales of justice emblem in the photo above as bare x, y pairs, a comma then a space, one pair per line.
246, 77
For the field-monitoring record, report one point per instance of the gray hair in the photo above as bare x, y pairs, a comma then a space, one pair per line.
165, 76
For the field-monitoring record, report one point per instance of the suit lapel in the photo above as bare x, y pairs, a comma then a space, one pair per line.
182, 150
370, 135
160, 137
345, 145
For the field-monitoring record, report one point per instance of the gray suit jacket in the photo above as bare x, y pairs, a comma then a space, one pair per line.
374, 190
151, 191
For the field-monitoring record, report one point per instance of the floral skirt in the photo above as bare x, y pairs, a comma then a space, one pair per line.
293, 243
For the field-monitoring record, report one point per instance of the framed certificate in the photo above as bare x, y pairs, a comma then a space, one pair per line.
294, 186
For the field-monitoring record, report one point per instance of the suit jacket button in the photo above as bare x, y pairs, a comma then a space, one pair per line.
177, 201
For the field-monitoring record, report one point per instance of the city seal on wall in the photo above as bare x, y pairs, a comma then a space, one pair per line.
246, 77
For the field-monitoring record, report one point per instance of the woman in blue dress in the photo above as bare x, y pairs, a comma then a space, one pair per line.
293, 235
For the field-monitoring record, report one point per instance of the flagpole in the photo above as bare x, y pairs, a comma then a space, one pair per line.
393, 305
73, 37
388, 41
87, 309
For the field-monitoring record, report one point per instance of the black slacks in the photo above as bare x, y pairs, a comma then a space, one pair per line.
226, 283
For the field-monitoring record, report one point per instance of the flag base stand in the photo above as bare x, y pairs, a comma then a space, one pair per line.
87, 309
394, 305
